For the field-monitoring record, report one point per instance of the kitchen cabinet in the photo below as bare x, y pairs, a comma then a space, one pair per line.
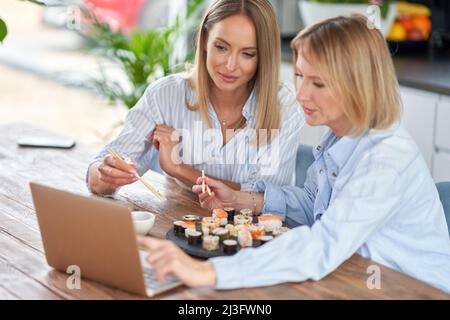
426, 116
419, 112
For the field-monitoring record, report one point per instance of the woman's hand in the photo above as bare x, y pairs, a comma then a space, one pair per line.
110, 174
166, 139
221, 196
166, 258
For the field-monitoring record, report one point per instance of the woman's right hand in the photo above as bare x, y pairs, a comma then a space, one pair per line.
222, 196
112, 174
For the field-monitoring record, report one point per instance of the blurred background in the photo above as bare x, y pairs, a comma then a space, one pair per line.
76, 67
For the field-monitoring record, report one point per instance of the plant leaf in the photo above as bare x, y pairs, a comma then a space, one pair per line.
3, 30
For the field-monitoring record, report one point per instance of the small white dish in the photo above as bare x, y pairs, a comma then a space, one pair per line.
143, 221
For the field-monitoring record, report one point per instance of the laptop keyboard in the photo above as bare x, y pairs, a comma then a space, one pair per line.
152, 282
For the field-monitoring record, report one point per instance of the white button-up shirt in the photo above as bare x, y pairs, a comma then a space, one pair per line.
372, 195
240, 161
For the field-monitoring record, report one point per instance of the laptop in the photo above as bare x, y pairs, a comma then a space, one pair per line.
96, 235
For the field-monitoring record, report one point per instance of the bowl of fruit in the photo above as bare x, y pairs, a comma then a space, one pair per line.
412, 27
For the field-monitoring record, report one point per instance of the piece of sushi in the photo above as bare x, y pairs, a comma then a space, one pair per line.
178, 227
222, 233
230, 246
210, 223
245, 237
246, 212
222, 215
270, 222
210, 243
190, 217
241, 219
257, 231
279, 231
265, 239
231, 212
194, 238
188, 231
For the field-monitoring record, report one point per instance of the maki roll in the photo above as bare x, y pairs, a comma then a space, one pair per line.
189, 231
210, 223
231, 212
222, 215
265, 239
178, 227
190, 217
257, 231
222, 233
246, 212
230, 246
194, 238
241, 219
279, 231
210, 243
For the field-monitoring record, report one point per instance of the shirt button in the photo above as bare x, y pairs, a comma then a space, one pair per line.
321, 171
318, 148
334, 174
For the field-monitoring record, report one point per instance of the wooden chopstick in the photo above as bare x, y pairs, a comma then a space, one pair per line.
145, 183
203, 184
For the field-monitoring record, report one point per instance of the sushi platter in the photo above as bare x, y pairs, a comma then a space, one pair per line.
224, 233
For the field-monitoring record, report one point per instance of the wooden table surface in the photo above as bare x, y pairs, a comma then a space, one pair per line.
24, 273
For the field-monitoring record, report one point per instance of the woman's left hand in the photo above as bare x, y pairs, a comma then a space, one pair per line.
166, 258
166, 140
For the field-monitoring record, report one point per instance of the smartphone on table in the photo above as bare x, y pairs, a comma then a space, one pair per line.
46, 142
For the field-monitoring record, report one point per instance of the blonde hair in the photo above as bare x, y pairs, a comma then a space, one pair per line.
267, 75
356, 62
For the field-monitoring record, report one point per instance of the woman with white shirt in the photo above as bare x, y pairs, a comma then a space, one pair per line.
368, 191
235, 119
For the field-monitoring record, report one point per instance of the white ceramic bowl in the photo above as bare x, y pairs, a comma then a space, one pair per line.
143, 221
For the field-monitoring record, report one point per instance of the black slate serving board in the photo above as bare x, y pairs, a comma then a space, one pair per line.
196, 251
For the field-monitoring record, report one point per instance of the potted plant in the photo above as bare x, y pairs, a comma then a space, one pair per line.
313, 11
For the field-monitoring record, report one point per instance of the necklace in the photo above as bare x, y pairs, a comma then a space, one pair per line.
239, 123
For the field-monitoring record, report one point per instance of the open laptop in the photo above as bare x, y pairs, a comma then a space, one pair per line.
97, 235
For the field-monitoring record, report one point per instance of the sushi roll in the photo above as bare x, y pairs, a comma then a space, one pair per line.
231, 212
190, 217
270, 222
222, 233
210, 223
265, 239
210, 243
257, 231
222, 215
241, 219
230, 246
194, 238
189, 231
245, 237
198, 225
279, 231
178, 227
246, 212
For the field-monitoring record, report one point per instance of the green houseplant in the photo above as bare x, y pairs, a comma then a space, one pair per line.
142, 56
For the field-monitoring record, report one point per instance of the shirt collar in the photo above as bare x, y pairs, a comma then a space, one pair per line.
339, 150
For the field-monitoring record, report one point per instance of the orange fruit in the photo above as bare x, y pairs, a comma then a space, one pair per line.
423, 23
397, 32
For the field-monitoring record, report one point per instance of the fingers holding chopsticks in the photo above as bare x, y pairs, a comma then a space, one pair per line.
117, 172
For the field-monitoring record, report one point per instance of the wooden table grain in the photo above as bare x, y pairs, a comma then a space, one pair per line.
24, 273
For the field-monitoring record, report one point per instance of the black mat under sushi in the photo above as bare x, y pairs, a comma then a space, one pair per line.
196, 251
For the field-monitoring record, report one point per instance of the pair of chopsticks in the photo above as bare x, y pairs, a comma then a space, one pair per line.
203, 184
145, 183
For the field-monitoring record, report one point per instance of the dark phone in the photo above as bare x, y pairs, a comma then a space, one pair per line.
46, 142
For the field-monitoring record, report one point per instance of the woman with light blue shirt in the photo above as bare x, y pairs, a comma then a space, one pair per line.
368, 191
233, 117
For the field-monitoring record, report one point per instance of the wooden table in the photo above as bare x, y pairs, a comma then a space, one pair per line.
24, 273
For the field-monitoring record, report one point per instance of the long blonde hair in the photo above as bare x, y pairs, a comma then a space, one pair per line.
356, 61
267, 75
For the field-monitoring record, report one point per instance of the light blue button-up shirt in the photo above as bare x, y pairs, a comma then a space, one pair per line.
371, 195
